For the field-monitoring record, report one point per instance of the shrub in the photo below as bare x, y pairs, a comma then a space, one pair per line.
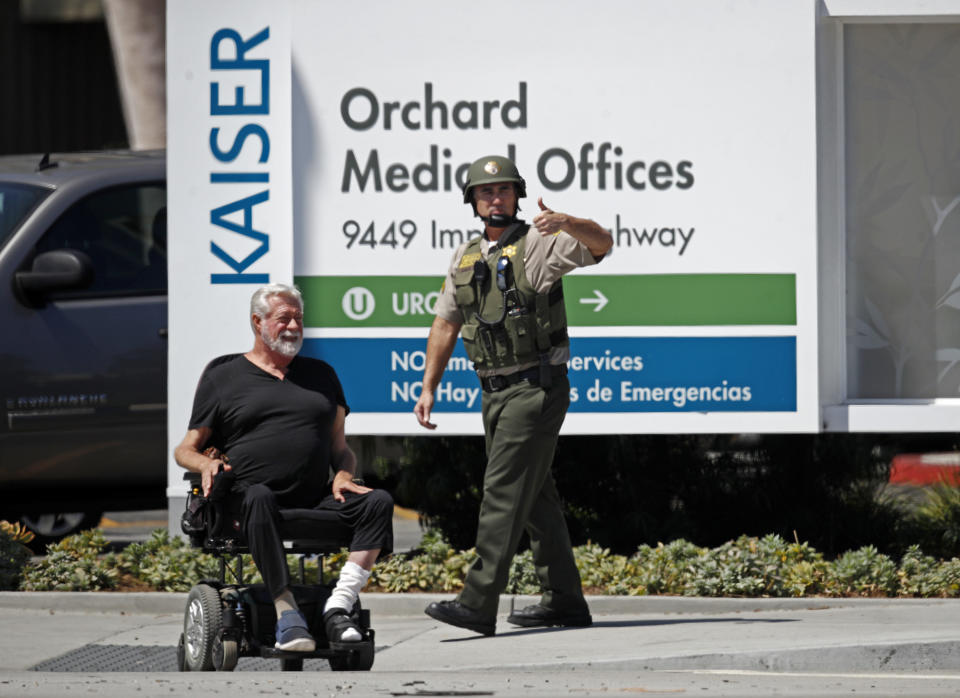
666, 569
747, 566
602, 571
436, 566
166, 564
523, 577
73, 564
14, 554
863, 572
918, 574
936, 522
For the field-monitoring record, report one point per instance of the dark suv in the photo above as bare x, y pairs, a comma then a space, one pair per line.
83, 350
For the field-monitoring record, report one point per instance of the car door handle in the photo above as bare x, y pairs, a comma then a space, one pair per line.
162, 332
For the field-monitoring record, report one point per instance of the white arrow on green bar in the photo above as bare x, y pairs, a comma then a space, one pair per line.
600, 300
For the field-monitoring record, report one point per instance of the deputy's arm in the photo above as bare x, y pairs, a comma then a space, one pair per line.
343, 459
594, 236
440, 344
189, 455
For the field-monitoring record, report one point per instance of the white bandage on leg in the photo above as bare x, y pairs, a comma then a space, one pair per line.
352, 579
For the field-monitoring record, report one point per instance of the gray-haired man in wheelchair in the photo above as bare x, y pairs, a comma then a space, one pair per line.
279, 418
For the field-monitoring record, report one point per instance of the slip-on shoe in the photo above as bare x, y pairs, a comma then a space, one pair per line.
537, 616
292, 634
455, 613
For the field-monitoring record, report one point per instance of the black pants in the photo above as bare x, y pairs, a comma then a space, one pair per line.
370, 516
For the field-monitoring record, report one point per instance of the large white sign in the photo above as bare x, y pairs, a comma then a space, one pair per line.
229, 182
687, 128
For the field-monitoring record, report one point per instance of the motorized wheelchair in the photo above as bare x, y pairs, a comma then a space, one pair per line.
225, 620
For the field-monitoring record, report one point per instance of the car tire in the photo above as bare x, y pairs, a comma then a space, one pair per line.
49, 528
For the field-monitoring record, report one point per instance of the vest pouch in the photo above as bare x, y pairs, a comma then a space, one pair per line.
464, 291
468, 333
523, 336
498, 341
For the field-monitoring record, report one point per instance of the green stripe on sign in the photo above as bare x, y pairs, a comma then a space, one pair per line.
369, 301
592, 300
681, 299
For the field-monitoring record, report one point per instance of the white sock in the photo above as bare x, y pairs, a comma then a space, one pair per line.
352, 579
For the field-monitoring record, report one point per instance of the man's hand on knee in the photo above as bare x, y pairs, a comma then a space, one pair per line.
343, 482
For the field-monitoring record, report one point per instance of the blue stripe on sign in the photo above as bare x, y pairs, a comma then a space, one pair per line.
607, 374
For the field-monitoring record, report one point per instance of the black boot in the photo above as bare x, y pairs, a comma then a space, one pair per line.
537, 616
455, 613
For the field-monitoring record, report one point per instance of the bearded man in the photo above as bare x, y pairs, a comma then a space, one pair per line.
280, 418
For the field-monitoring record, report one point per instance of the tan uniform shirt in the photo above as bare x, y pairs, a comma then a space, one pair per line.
546, 259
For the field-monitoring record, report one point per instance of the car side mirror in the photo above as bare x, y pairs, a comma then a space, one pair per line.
57, 270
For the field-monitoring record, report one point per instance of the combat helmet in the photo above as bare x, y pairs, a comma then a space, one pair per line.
490, 170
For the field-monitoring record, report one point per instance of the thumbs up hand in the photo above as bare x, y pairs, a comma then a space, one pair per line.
548, 221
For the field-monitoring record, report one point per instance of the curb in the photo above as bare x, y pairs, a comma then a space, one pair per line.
412, 604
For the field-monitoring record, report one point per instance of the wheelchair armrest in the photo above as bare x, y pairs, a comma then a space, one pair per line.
222, 483
210, 517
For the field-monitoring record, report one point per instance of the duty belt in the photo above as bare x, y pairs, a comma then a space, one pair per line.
496, 383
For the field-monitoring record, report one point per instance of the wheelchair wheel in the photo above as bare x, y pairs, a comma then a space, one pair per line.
291, 664
201, 626
359, 660
181, 654
225, 654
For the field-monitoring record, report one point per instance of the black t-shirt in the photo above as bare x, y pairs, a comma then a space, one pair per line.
275, 432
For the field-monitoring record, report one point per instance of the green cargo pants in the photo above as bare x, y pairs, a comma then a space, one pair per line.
522, 424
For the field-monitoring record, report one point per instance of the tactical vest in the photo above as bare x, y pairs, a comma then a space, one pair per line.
512, 327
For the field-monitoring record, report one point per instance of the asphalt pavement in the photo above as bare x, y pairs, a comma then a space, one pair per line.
123, 644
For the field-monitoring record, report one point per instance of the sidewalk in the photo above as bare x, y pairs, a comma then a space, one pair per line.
657, 644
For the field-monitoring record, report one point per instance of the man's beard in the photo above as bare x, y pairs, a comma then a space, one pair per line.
286, 343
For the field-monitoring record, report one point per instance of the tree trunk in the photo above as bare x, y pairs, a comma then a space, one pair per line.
138, 35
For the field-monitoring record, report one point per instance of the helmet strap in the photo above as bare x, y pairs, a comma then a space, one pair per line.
498, 220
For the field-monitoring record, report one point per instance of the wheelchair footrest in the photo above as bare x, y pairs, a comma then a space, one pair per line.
320, 652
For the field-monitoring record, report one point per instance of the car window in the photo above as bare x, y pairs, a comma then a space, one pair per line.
16, 202
124, 232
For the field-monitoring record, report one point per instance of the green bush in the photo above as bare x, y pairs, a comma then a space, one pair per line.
14, 554
73, 564
863, 572
166, 564
666, 569
746, 567
935, 523
437, 566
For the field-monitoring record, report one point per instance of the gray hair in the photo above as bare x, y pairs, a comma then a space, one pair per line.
260, 302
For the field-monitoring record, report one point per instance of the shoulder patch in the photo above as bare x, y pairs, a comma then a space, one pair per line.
468, 260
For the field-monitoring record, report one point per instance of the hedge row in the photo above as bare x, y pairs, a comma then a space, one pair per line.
747, 566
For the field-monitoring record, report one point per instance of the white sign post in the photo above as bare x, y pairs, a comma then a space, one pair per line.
229, 185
